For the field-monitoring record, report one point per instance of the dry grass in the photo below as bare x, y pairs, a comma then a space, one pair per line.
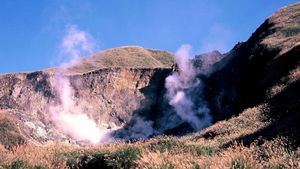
10, 135
205, 149
293, 76
272, 154
201, 150
126, 56
285, 28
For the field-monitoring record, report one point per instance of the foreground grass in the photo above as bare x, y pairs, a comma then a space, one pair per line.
173, 153
215, 147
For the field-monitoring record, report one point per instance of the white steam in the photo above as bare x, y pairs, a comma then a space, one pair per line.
140, 129
182, 92
75, 44
70, 116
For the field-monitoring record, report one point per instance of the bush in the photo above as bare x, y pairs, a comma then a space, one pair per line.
164, 145
98, 161
291, 31
123, 158
73, 160
207, 150
20, 164
10, 137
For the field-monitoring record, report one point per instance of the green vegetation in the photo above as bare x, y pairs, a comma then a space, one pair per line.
165, 144
9, 134
20, 164
121, 158
291, 31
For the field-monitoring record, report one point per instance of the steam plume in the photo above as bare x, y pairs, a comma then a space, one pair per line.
184, 91
181, 91
184, 94
70, 116
75, 44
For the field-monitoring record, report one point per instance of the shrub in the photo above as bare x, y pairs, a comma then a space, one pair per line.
73, 160
207, 150
163, 145
291, 31
198, 150
10, 137
19, 164
123, 158
98, 161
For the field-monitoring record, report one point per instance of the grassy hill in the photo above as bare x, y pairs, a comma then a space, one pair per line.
126, 56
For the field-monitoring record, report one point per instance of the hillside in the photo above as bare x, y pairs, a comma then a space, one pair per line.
123, 57
263, 71
253, 67
252, 92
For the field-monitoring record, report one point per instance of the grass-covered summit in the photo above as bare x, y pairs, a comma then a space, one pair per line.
124, 57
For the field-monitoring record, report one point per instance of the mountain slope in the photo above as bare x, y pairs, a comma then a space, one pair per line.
244, 77
253, 94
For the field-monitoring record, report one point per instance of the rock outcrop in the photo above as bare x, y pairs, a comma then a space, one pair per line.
109, 86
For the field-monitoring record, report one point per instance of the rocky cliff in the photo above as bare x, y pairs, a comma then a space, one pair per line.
109, 87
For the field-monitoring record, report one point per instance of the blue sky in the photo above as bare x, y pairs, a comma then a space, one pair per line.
31, 31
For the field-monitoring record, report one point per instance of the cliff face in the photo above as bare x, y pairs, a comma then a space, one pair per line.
110, 96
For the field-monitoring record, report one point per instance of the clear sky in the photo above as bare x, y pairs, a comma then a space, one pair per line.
31, 30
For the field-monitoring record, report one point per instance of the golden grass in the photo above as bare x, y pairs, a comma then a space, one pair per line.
285, 25
293, 76
122, 57
10, 135
192, 151
272, 154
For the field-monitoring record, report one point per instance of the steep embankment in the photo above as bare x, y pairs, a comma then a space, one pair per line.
263, 74
134, 74
251, 68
